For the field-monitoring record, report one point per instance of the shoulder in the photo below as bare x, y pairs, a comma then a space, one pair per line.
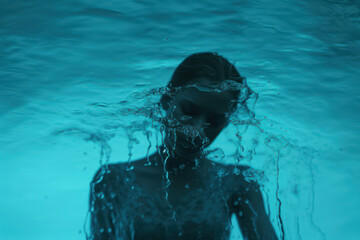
240, 178
109, 177
107, 172
230, 171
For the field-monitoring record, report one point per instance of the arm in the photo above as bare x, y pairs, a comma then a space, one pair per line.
101, 223
248, 206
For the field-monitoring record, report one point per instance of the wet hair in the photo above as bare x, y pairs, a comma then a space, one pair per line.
207, 65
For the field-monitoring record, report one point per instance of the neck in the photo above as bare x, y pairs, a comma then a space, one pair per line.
175, 163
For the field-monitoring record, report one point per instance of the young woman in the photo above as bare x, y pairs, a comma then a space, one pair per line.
181, 194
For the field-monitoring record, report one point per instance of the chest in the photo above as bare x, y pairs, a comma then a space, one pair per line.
190, 215
185, 210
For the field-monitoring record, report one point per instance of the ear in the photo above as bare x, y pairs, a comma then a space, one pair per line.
165, 101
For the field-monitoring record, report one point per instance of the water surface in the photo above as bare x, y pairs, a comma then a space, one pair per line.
66, 68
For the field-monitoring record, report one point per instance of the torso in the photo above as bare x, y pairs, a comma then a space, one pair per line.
192, 207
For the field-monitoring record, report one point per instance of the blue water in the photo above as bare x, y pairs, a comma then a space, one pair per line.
66, 65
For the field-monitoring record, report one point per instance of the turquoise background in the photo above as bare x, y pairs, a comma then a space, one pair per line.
58, 58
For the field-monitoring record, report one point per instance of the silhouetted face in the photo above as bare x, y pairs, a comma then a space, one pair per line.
199, 115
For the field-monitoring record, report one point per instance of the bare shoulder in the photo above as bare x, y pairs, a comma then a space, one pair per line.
110, 178
117, 173
108, 172
238, 179
232, 171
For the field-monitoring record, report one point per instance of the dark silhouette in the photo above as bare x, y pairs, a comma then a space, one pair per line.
181, 194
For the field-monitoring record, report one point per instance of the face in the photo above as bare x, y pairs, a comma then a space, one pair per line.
197, 116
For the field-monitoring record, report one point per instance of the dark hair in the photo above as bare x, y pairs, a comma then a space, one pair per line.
207, 64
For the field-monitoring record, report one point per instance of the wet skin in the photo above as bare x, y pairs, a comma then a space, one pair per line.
202, 115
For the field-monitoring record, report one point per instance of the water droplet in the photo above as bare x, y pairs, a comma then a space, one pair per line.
276, 142
100, 195
236, 171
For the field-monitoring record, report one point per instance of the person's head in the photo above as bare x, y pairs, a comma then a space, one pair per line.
201, 95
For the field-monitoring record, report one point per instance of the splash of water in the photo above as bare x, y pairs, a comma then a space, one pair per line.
115, 113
